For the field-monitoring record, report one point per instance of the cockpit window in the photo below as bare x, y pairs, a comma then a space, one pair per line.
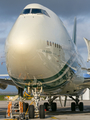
34, 11
39, 11
44, 12
26, 11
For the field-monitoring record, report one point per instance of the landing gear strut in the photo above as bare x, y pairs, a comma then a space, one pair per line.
20, 91
76, 104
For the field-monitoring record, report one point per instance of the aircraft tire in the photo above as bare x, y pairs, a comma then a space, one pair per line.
73, 106
31, 111
46, 105
54, 106
81, 106
42, 111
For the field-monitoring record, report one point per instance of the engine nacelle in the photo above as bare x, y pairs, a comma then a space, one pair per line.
3, 86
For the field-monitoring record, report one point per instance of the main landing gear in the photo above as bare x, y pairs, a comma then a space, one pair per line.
50, 105
76, 104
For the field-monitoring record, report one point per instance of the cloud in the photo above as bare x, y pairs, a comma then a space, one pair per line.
61, 7
2, 54
5, 27
2, 41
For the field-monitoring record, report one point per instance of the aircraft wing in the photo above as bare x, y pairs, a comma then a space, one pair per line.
5, 79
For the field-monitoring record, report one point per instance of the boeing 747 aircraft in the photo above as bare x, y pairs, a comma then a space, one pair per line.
42, 58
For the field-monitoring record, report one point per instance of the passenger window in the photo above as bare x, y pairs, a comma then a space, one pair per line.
47, 43
55, 44
50, 44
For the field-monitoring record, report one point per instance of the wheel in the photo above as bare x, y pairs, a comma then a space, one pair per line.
31, 111
13, 117
24, 107
81, 106
46, 105
42, 111
73, 106
26, 118
17, 118
54, 106
21, 116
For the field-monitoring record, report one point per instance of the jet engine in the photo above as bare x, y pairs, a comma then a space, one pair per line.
3, 86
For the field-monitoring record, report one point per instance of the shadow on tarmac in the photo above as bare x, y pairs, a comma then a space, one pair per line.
67, 111
60, 111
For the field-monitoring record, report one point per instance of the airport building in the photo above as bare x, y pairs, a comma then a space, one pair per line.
86, 95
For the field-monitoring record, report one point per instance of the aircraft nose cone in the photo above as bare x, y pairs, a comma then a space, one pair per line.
21, 46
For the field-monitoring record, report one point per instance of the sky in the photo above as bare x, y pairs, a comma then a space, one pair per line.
66, 10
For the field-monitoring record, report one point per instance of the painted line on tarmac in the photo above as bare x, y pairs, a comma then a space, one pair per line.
10, 119
54, 118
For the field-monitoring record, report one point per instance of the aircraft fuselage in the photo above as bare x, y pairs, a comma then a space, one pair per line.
40, 49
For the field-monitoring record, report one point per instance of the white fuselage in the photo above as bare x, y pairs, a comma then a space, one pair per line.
38, 47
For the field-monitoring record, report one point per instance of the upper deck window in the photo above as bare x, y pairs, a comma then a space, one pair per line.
26, 11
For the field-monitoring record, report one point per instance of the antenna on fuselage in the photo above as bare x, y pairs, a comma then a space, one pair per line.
74, 31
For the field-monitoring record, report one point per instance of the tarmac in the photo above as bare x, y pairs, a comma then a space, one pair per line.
62, 113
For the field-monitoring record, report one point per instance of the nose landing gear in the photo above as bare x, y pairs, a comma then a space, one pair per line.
36, 109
